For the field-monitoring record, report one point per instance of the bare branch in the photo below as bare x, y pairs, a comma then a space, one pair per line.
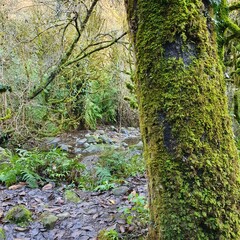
95, 50
235, 6
66, 56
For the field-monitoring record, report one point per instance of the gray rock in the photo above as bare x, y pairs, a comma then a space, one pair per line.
105, 139
131, 140
91, 139
71, 196
48, 220
86, 145
124, 131
93, 149
63, 215
120, 191
65, 147
101, 132
124, 144
53, 141
112, 128
81, 141
139, 145
77, 150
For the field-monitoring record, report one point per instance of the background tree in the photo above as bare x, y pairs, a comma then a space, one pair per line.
192, 162
61, 57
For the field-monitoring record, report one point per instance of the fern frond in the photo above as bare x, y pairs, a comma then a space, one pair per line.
30, 177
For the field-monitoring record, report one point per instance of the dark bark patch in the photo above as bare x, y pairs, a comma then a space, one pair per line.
168, 139
178, 49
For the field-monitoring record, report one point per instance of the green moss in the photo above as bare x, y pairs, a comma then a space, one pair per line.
19, 215
2, 234
71, 196
107, 235
48, 220
192, 161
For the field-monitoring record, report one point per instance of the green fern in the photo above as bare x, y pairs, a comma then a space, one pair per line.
8, 177
36, 167
103, 174
30, 178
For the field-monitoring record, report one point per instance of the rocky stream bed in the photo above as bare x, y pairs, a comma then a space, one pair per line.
86, 213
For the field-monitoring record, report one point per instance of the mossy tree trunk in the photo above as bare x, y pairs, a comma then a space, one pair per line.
192, 162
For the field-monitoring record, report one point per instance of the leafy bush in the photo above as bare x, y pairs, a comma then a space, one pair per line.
37, 167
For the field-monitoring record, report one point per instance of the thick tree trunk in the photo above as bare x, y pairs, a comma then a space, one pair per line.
192, 162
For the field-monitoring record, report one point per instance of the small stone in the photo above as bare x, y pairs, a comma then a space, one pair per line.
112, 128
64, 147
105, 139
22, 193
93, 149
91, 139
139, 145
77, 150
120, 191
48, 220
81, 141
53, 141
131, 140
71, 196
86, 145
63, 215
124, 131
100, 131
124, 144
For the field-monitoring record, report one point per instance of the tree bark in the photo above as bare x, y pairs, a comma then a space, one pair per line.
192, 162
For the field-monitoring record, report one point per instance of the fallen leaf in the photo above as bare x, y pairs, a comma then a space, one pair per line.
52, 209
16, 186
21, 229
112, 201
48, 186
122, 229
133, 193
1, 213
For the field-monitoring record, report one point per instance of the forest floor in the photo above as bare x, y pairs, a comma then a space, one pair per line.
120, 209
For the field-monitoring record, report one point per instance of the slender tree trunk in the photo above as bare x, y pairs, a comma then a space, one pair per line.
192, 162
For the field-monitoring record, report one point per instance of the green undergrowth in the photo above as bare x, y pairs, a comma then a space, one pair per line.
36, 167
114, 167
